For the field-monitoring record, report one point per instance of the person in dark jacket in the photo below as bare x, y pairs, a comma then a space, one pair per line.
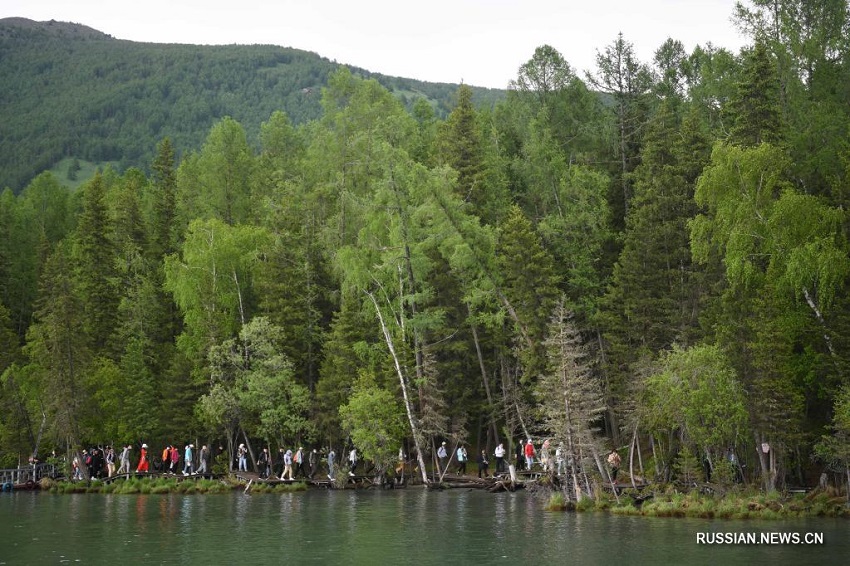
483, 464
314, 462
263, 464
279, 463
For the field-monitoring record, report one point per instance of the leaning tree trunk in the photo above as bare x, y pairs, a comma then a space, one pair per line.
250, 448
407, 403
484, 378
632, 457
603, 471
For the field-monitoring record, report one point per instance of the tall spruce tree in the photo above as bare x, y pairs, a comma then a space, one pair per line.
94, 253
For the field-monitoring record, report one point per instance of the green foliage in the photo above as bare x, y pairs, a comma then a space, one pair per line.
302, 226
101, 99
252, 385
374, 420
211, 281
687, 467
697, 392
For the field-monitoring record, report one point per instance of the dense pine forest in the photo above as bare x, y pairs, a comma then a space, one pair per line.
652, 257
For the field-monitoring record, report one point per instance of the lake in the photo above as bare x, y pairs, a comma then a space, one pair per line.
412, 526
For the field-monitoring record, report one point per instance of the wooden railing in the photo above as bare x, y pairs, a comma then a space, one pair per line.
17, 476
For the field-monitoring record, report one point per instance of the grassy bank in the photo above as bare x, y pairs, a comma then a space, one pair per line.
164, 485
743, 504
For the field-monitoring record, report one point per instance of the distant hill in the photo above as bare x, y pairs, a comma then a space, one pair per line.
68, 91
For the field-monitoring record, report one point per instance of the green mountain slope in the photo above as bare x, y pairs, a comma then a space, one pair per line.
69, 91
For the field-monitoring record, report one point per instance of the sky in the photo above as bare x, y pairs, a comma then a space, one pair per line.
478, 42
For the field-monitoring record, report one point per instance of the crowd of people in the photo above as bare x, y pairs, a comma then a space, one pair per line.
290, 464
100, 462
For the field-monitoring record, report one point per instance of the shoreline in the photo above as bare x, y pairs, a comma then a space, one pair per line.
736, 505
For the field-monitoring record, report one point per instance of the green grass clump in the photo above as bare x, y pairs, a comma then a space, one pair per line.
557, 502
585, 504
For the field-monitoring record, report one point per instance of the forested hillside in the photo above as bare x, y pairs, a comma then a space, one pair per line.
663, 270
72, 92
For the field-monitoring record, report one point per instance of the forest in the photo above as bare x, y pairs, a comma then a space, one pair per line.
652, 257
70, 91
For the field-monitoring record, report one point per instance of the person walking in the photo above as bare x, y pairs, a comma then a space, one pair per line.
263, 464
529, 455
614, 462
203, 456
77, 465
279, 464
110, 461
287, 465
175, 459
500, 458
441, 457
242, 458
143, 459
520, 455
314, 462
331, 460
298, 460
166, 458
124, 460
461, 460
483, 465
188, 462
559, 458
352, 461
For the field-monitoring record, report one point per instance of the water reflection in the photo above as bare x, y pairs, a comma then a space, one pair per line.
401, 526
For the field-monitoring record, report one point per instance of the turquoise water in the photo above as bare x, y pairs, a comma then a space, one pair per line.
412, 526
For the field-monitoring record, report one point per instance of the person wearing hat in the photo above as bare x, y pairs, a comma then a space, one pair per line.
242, 458
143, 459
